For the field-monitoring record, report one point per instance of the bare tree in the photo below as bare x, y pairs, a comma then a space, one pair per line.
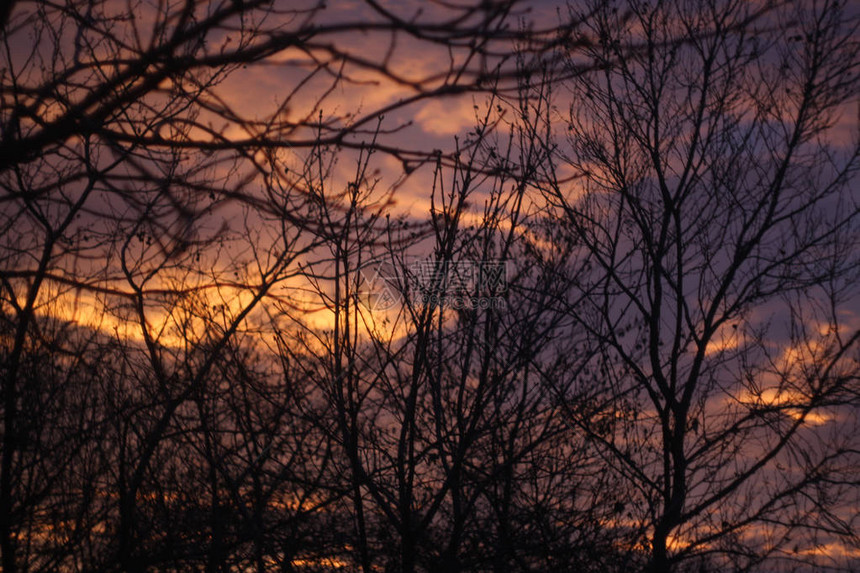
196, 373
123, 163
715, 228
454, 456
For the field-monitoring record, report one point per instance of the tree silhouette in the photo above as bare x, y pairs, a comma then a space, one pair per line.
713, 228
225, 344
122, 161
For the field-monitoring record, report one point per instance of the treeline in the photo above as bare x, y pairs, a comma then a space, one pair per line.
618, 331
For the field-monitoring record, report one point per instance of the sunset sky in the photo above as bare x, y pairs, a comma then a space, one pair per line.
202, 201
